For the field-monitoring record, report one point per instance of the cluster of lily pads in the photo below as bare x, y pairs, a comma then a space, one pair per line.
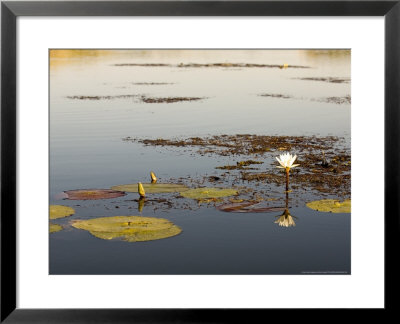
131, 228
139, 228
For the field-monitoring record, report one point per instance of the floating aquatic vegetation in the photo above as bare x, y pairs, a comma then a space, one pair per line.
152, 83
214, 65
129, 228
93, 194
152, 187
169, 99
330, 206
142, 64
323, 182
275, 95
59, 211
337, 100
101, 97
327, 79
334, 179
208, 193
246, 144
241, 165
248, 162
248, 207
55, 228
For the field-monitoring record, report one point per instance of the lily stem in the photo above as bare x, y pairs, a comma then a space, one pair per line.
287, 180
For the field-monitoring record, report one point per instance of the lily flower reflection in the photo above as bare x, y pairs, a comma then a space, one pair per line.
285, 220
141, 204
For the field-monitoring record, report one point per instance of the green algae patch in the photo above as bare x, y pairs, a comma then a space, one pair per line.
129, 228
152, 187
207, 193
59, 211
55, 228
330, 206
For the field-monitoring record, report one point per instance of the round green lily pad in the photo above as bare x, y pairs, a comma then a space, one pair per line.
59, 211
55, 228
93, 194
330, 206
152, 187
204, 193
129, 228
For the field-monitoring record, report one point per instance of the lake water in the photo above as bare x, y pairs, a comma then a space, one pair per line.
87, 151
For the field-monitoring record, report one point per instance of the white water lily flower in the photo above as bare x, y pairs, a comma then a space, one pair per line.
286, 161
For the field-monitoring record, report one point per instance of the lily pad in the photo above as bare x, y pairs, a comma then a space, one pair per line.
152, 187
204, 193
93, 194
129, 228
331, 206
59, 211
55, 228
249, 207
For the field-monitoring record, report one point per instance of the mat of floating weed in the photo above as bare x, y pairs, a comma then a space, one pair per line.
129, 228
93, 194
152, 187
55, 228
59, 211
205, 193
330, 206
249, 207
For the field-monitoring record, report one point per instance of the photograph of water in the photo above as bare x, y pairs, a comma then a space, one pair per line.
200, 161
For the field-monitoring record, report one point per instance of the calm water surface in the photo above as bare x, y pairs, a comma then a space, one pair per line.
87, 151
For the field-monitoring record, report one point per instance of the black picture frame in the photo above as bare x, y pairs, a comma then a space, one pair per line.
10, 10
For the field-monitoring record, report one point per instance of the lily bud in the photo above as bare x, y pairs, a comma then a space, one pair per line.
153, 177
141, 191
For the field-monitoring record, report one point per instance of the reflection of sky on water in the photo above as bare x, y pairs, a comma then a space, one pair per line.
86, 150
232, 105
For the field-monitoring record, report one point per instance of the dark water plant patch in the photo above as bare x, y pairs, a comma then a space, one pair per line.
215, 65
276, 95
249, 207
327, 79
169, 99
245, 144
127, 96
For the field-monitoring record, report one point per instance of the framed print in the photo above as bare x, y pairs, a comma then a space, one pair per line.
190, 161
